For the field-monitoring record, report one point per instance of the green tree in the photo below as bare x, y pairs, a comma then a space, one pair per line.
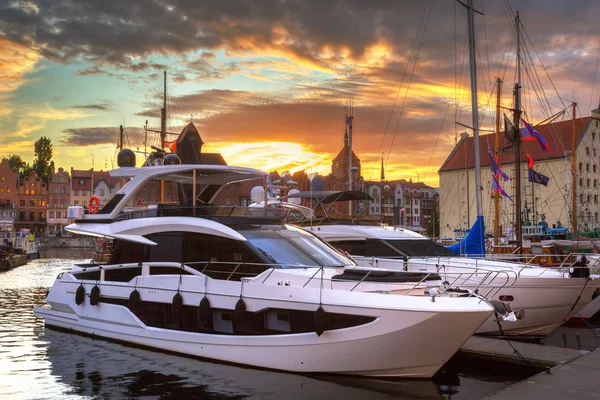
16, 163
42, 164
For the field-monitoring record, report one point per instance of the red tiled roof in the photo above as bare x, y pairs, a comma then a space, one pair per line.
343, 155
405, 184
78, 173
557, 134
104, 176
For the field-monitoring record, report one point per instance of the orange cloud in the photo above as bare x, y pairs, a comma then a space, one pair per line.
15, 62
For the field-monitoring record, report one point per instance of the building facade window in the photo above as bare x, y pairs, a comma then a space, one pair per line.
31, 203
51, 214
63, 190
76, 192
101, 192
55, 190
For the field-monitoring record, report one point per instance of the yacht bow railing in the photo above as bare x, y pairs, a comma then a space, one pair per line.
241, 271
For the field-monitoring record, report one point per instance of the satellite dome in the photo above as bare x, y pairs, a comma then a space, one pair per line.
294, 200
126, 158
171, 159
257, 194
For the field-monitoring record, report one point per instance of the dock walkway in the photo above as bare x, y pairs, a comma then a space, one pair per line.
530, 354
577, 379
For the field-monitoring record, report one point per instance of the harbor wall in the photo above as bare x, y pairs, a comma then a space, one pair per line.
73, 241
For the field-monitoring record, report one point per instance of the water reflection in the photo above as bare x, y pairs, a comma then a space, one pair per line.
36, 362
95, 368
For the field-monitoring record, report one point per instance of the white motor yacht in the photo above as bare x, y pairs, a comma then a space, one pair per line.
239, 285
541, 297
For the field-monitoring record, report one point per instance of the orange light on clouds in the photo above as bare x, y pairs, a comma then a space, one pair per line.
270, 156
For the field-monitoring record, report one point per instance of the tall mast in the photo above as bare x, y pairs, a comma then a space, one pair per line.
475, 112
496, 150
381, 190
163, 114
349, 123
574, 175
516, 123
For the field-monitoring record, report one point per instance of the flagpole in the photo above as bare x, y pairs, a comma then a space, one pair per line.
534, 222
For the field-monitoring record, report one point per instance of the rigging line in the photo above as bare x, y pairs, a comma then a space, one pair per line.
542, 64
487, 52
399, 88
436, 140
412, 73
594, 80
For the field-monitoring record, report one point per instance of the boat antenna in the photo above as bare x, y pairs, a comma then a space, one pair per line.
121, 135
163, 114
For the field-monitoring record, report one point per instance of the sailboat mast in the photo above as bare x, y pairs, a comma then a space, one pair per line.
516, 123
496, 150
478, 198
574, 175
163, 114
350, 120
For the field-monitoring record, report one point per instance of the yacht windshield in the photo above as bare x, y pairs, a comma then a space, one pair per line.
291, 247
409, 248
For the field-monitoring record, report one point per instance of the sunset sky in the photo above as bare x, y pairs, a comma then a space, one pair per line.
267, 81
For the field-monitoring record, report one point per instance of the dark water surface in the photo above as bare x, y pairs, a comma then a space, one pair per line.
41, 363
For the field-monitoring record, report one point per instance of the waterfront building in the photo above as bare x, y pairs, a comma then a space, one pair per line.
32, 195
59, 195
457, 180
81, 187
8, 196
105, 186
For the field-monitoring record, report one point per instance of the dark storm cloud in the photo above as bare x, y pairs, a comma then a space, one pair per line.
116, 33
99, 136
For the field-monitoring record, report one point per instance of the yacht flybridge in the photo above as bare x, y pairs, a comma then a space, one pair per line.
542, 298
240, 285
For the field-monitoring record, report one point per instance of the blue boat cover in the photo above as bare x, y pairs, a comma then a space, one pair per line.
473, 245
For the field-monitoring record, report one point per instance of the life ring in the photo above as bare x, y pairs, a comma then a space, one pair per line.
488, 246
94, 204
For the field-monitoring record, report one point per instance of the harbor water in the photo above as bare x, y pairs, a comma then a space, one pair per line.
41, 363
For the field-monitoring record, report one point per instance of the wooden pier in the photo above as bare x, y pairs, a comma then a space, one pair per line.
12, 261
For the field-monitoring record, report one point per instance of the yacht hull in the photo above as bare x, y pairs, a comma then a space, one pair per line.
410, 343
541, 303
